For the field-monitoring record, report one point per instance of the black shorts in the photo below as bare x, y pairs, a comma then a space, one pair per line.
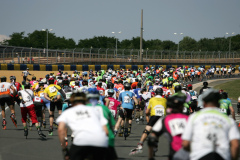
87, 152
128, 112
111, 154
212, 156
8, 100
53, 104
153, 120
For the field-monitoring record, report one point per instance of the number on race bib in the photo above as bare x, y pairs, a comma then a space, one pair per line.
37, 99
3, 89
126, 99
159, 112
223, 110
52, 89
68, 95
177, 126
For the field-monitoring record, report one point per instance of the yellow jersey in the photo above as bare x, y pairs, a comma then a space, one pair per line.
34, 86
158, 106
52, 90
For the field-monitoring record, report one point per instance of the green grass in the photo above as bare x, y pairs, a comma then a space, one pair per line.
232, 88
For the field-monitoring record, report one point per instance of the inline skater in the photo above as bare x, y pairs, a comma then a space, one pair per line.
173, 125
51, 94
17, 86
25, 74
5, 97
108, 112
26, 97
226, 105
156, 109
211, 134
238, 106
204, 88
194, 97
89, 129
40, 93
126, 98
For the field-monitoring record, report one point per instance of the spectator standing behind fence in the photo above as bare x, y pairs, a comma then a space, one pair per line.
23, 59
28, 60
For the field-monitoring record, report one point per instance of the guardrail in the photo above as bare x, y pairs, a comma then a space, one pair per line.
21, 55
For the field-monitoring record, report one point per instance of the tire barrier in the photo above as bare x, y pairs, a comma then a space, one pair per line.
42, 67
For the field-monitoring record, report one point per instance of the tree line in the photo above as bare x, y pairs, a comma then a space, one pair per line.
37, 39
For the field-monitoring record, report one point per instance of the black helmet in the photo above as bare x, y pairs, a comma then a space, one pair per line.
34, 78
178, 88
65, 82
77, 83
165, 84
84, 82
27, 85
111, 91
40, 84
127, 86
3, 79
176, 100
23, 82
205, 84
110, 85
159, 91
224, 95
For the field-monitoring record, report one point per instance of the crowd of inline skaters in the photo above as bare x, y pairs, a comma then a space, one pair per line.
162, 98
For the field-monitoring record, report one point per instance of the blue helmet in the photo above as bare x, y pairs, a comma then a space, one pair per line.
93, 93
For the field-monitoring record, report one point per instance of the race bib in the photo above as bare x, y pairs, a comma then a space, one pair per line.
194, 97
127, 99
159, 112
68, 95
223, 110
177, 126
3, 89
184, 110
37, 99
113, 112
52, 89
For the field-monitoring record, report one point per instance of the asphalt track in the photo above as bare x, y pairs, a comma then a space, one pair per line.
13, 144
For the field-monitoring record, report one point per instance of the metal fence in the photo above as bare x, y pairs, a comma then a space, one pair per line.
9, 54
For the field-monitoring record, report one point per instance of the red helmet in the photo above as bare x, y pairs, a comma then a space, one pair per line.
51, 79
189, 85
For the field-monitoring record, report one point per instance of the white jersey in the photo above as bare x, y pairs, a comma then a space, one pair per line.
27, 96
86, 124
25, 73
5, 89
209, 130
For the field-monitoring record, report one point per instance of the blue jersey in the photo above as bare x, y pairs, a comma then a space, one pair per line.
137, 92
127, 99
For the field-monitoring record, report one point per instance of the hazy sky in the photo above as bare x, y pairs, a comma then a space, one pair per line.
80, 19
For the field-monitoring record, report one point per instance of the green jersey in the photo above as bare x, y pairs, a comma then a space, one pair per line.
99, 77
224, 106
110, 125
